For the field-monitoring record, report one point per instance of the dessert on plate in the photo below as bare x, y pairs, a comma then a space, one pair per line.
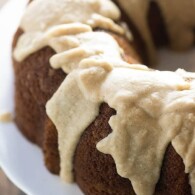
102, 118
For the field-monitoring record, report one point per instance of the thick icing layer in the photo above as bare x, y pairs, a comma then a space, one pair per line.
151, 112
153, 108
51, 17
31, 42
69, 99
54, 12
92, 49
178, 17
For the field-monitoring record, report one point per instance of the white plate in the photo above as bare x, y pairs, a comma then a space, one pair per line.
21, 160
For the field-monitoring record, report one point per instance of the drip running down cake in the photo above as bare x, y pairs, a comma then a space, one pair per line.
102, 118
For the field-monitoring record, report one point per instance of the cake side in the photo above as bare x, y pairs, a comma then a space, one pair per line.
96, 172
35, 83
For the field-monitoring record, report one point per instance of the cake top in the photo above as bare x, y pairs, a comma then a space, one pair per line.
50, 13
51, 16
153, 108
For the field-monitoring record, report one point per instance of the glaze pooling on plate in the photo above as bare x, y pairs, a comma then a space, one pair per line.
5, 117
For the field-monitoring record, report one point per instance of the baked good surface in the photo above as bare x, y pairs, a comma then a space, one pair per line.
77, 67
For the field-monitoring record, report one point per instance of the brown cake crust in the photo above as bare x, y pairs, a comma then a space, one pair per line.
94, 172
35, 84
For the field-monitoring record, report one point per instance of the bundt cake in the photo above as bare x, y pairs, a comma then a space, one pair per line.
102, 119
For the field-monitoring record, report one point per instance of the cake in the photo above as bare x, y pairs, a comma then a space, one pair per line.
102, 119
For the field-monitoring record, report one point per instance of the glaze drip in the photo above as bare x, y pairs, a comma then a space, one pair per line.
51, 17
69, 99
52, 12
